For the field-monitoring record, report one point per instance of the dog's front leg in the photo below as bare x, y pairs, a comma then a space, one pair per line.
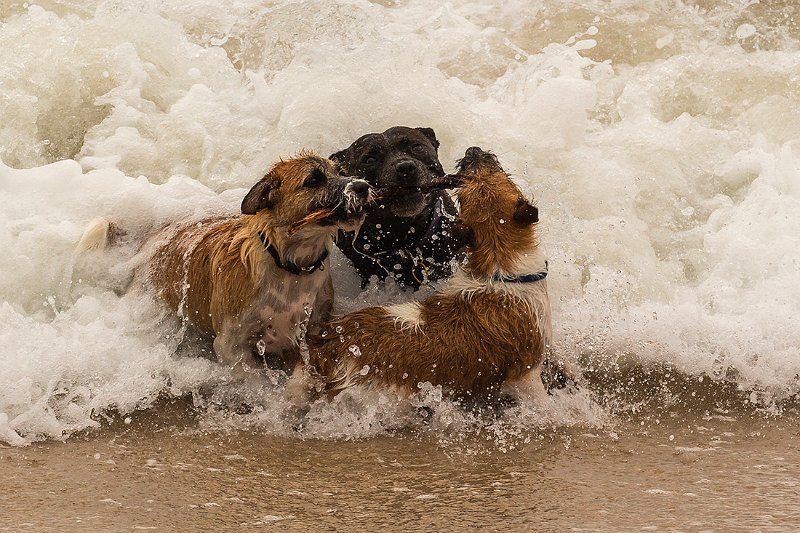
234, 348
559, 373
300, 387
528, 387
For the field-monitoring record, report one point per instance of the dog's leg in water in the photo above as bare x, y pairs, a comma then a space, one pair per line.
300, 387
299, 392
559, 374
528, 387
233, 353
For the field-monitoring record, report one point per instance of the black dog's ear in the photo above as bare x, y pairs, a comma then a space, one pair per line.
259, 197
463, 235
525, 213
430, 134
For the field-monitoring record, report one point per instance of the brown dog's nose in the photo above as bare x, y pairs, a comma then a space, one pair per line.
360, 188
473, 151
406, 169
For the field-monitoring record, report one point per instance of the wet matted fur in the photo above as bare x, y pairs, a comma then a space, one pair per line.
486, 329
255, 282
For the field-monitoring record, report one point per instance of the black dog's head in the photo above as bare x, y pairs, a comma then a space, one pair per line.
401, 164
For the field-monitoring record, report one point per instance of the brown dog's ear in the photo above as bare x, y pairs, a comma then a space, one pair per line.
525, 213
259, 197
430, 134
463, 235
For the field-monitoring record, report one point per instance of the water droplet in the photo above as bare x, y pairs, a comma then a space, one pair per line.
355, 350
745, 30
364, 370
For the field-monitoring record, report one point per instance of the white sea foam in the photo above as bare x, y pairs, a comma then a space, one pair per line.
663, 153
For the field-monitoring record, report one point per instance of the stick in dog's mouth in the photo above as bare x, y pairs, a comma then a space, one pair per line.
448, 181
321, 214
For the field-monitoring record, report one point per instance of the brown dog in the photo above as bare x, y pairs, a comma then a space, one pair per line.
255, 282
488, 327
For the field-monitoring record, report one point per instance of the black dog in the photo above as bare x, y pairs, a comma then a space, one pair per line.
407, 236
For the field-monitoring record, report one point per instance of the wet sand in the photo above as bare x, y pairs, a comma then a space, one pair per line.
711, 471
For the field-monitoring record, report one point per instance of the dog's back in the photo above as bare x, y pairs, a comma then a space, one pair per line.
197, 271
470, 340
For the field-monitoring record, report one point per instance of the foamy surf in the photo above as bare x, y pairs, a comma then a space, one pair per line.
660, 142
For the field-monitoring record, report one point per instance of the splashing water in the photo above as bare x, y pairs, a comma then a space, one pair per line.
660, 140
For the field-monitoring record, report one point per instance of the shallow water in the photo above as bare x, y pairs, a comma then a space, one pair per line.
712, 472
659, 140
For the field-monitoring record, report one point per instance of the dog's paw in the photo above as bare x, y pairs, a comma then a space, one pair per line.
557, 375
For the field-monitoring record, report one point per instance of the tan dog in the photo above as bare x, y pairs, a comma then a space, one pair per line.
255, 282
486, 329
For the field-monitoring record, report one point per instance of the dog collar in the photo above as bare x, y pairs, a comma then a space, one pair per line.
290, 267
527, 278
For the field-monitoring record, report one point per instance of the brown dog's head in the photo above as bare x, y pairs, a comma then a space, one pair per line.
307, 190
401, 163
496, 221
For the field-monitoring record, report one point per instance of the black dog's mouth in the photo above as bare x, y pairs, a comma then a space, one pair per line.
448, 181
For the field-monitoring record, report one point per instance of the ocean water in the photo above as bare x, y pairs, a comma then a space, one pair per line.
659, 138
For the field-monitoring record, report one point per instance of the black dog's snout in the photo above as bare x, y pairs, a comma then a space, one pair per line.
360, 188
406, 169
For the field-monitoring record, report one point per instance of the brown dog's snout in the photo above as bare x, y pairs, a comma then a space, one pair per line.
475, 157
474, 151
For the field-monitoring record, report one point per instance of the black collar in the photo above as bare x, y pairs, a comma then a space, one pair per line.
290, 267
527, 278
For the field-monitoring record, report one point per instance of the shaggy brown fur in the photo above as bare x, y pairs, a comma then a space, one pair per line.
218, 274
473, 336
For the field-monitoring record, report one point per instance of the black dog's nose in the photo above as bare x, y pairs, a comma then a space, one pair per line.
406, 169
360, 188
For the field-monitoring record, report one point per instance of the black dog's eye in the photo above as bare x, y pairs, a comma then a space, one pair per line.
369, 160
315, 179
416, 148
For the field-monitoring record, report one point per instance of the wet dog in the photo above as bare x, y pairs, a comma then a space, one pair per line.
483, 333
407, 235
256, 282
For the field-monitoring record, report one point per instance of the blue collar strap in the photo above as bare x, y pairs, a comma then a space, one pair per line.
527, 278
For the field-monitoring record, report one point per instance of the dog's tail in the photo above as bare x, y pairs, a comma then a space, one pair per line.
98, 235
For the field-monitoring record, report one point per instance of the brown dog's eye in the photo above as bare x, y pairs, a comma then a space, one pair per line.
317, 178
416, 148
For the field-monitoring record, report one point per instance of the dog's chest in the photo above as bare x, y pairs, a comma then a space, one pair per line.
286, 305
